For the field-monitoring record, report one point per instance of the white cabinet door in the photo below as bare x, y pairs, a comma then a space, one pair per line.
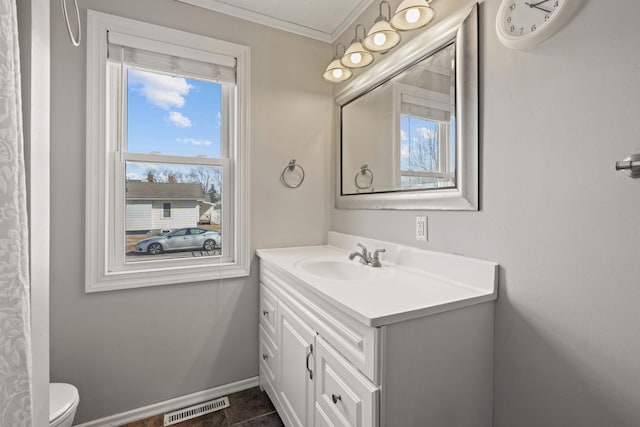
295, 384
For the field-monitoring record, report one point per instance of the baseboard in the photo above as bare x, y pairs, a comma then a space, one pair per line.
171, 404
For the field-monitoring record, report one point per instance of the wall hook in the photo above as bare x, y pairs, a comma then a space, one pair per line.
630, 165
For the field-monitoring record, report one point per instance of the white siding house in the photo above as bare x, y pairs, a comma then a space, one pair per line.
162, 206
138, 215
181, 213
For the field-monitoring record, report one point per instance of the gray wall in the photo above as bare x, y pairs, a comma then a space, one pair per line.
128, 349
370, 129
561, 222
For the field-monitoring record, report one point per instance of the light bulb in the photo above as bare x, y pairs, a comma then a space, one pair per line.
356, 58
379, 39
337, 73
412, 15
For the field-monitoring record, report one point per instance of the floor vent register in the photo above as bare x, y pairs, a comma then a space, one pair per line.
196, 411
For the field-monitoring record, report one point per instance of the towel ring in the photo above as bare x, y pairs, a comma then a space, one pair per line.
290, 168
74, 41
364, 170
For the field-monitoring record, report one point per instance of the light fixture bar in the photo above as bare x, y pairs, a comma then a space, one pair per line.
383, 36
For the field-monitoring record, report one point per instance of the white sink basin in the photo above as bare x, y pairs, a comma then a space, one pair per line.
337, 269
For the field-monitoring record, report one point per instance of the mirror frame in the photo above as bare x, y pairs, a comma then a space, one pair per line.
463, 28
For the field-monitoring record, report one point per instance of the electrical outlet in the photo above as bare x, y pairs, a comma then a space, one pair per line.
421, 228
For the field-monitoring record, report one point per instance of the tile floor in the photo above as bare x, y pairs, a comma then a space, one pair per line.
248, 408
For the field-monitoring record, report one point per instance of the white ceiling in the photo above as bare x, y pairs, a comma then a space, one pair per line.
323, 20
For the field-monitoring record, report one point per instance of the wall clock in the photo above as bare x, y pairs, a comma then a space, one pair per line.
521, 24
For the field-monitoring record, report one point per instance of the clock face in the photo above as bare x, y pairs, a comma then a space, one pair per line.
524, 23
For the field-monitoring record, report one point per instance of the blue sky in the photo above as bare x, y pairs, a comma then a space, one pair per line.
415, 131
172, 115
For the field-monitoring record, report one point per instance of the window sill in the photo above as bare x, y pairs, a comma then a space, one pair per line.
112, 281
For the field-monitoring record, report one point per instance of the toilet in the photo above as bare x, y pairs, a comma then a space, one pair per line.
63, 402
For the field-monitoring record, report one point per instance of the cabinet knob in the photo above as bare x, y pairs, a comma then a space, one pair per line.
336, 398
265, 357
265, 312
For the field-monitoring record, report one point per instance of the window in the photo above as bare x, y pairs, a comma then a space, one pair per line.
167, 172
166, 210
426, 133
426, 156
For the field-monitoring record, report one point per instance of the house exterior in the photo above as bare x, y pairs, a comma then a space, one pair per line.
163, 206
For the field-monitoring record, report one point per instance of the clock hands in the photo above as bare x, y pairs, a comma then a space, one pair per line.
535, 5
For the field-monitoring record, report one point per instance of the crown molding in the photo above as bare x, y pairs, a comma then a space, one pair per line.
350, 19
280, 24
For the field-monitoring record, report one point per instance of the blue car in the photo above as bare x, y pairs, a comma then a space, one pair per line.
180, 239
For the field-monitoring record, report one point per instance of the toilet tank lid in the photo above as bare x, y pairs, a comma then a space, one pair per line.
61, 398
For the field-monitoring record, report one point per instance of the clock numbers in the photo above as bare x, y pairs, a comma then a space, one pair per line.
524, 23
525, 17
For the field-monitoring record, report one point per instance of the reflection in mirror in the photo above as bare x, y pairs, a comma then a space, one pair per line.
403, 132
408, 126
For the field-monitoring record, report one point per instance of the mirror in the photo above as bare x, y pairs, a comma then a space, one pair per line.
408, 133
400, 136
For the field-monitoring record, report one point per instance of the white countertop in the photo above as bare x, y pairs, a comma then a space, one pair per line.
411, 283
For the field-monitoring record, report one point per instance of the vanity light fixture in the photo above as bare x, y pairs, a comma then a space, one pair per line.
357, 56
412, 14
336, 72
382, 35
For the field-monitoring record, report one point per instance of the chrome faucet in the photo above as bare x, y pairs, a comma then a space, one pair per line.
365, 258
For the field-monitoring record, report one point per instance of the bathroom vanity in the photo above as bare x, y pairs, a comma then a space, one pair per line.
406, 344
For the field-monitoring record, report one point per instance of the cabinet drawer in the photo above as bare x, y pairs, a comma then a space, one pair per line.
268, 312
321, 418
344, 396
268, 357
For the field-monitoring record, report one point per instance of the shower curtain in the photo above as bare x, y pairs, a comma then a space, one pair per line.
15, 334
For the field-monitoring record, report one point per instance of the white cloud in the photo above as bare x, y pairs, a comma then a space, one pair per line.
195, 142
179, 120
403, 135
425, 133
159, 89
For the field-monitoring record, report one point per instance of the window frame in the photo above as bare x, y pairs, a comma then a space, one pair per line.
101, 218
428, 99
164, 210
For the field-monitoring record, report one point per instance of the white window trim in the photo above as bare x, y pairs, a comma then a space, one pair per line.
99, 276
